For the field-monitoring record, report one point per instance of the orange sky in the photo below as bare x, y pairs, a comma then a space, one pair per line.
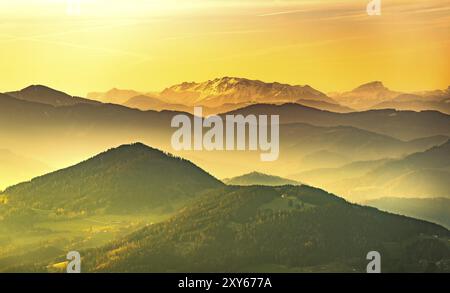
148, 45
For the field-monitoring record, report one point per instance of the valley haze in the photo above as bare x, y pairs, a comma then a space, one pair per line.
213, 136
126, 189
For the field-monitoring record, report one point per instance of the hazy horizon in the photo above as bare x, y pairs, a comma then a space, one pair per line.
147, 91
330, 45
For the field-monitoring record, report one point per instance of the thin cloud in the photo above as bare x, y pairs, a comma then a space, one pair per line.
284, 12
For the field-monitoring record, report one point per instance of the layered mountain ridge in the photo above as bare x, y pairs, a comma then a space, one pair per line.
221, 229
229, 93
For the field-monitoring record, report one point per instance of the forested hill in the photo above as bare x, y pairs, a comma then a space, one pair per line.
290, 228
128, 178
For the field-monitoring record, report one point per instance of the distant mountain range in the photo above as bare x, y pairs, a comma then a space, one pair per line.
230, 93
416, 103
328, 146
375, 95
114, 96
436, 210
399, 124
257, 178
232, 90
423, 174
145, 103
61, 136
310, 138
366, 95
220, 95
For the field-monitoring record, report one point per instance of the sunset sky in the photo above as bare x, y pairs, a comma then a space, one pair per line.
148, 45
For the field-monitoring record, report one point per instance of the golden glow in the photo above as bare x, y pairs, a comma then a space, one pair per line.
148, 45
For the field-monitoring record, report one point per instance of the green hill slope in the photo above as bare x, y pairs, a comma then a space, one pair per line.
290, 228
127, 178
